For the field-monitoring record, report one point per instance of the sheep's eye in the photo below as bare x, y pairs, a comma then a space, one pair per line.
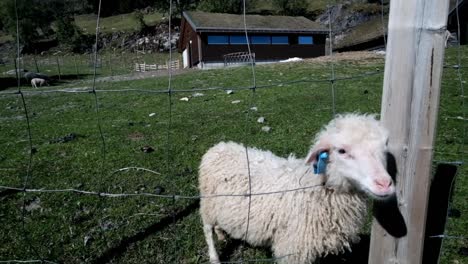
342, 151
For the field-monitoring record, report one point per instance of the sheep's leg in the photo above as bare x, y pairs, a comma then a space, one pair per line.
219, 233
208, 230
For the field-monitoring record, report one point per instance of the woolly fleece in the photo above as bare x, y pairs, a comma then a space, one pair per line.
299, 226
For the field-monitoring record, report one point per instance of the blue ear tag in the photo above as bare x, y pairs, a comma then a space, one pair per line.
321, 165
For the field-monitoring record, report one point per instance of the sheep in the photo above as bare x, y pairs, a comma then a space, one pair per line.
36, 81
318, 214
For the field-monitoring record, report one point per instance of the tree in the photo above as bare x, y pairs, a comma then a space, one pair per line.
39, 19
178, 6
221, 6
291, 7
34, 19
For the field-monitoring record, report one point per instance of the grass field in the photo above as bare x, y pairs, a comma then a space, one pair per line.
77, 228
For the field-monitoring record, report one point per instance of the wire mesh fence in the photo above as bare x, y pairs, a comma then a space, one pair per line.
107, 171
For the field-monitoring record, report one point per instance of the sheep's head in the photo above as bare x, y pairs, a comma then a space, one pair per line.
356, 146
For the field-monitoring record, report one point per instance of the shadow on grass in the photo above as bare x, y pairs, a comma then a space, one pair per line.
359, 253
7, 194
10, 82
126, 242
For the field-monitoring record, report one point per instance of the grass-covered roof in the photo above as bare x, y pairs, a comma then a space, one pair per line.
203, 21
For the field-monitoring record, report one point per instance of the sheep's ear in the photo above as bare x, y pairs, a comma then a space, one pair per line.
320, 147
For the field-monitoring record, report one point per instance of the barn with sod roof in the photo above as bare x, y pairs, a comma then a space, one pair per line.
210, 39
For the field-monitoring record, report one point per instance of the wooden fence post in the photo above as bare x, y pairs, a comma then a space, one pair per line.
410, 102
58, 68
35, 63
76, 67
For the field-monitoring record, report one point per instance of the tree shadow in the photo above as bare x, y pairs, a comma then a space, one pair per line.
119, 249
11, 82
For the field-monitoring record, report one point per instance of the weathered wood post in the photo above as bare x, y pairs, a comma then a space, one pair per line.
410, 102
58, 68
76, 67
35, 62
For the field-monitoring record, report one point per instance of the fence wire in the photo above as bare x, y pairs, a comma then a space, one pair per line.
461, 150
170, 91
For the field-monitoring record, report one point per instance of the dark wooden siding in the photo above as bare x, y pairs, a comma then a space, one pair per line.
187, 33
214, 53
452, 23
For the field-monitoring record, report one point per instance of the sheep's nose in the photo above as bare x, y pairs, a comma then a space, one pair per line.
383, 183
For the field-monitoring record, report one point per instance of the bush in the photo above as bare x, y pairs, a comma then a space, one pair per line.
69, 34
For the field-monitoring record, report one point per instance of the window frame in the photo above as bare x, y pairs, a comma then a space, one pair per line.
252, 41
305, 37
280, 43
217, 43
240, 37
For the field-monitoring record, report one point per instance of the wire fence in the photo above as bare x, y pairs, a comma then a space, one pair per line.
179, 186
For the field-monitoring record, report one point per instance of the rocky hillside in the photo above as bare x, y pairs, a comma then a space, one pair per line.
344, 16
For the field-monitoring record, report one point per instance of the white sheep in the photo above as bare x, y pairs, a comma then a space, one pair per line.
303, 224
38, 81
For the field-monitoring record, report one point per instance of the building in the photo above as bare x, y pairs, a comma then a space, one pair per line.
206, 38
454, 21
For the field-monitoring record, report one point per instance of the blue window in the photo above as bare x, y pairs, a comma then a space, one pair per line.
238, 40
279, 40
305, 40
218, 40
260, 39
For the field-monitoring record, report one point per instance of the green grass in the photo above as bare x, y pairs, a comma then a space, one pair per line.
123, 22
58, 230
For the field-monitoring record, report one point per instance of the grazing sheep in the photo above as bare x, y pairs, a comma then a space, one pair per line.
304, 224
36, 81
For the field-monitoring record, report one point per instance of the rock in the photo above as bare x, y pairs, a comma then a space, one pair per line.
107, 225
147, 149
158, 190
266, 129
229, 91
33, 205
235, 101
261, 120
254, 108
186, 99
64, 139
86, 240
152, 114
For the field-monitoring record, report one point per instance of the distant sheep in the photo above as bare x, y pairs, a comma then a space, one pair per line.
38, 81
301, 225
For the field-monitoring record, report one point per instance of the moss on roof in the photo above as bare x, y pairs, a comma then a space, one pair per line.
205, 20
367, 31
